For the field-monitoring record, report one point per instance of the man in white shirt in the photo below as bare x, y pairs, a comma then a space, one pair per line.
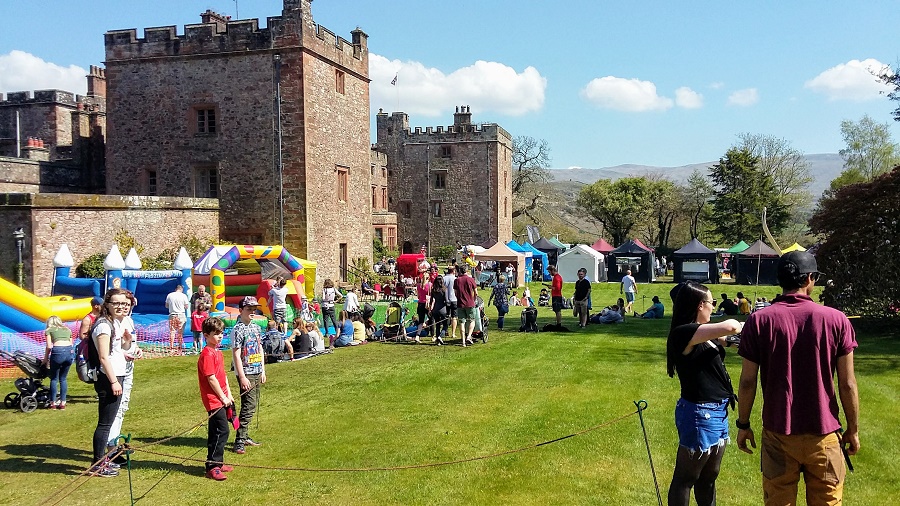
449, 278
177, 304
629, 288
351, 304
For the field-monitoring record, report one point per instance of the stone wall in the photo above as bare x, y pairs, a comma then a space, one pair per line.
156, 84
474, 163
18, 175
88, 224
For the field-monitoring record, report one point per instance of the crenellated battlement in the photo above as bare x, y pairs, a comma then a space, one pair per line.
398, 123
40, 97
219, 34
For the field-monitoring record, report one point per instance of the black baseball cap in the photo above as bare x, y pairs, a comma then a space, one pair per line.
800, 262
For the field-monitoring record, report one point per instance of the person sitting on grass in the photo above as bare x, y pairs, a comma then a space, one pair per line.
726, 307
655, 312
345, 332
273, 334
216, 397
359, 329
611, 314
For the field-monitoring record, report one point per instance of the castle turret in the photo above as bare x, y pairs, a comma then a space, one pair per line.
96, 82
462, 116
215, 18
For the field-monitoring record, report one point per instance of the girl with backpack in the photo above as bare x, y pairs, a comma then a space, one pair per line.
500, 298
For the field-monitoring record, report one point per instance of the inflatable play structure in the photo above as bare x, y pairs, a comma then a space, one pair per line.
220, 269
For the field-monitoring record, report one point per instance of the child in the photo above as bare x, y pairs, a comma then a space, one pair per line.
514, 299
216, 397
200, 313
275, 335
544, 298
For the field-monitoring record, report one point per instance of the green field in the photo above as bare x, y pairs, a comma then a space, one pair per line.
395, 405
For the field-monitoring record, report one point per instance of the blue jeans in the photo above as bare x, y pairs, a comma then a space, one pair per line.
61, 358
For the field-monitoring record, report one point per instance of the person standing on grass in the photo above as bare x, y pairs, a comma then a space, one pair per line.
795, 347
466, 291
556, 298
500, 297
630, 289
329, 294
581, 297
437, 309
278, 303
177, 304
108, 336
694, 350
216, 397
132, 352
449, 280
200, 298
249, 366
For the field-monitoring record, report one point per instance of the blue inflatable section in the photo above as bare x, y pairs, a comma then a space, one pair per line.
151, 295
77, 287
18, 321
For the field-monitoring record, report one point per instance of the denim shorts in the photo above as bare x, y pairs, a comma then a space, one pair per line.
701, 426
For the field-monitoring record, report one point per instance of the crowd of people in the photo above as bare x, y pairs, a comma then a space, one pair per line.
796, 443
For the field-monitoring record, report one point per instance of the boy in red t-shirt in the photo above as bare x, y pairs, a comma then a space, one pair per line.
216, 397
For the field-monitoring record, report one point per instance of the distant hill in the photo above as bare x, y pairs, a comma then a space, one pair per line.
824, 168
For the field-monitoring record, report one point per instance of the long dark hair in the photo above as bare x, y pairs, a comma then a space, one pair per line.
684, 311
437, 285
104, 310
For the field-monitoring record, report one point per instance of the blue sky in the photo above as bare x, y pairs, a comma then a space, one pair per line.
605, 83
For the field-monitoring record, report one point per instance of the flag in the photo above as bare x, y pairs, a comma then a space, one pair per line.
394, 81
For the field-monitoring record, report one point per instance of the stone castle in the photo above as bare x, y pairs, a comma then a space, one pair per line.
266, 133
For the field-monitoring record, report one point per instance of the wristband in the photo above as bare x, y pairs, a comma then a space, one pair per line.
742, 425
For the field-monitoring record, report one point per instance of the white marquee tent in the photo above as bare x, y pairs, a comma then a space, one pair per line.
581, 256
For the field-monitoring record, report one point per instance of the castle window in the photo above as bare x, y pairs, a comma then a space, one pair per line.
151, 182
440, 180
206, 182
505, 206
339, 81
372, 169
343, 183
206, 120
379, 233
384, 197
437, 208
406, 208
446, 152
374, 197
384, 172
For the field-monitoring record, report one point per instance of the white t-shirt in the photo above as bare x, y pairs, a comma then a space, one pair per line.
328, 296
278, 297
116, 356
628, 284
352, 302
177, 303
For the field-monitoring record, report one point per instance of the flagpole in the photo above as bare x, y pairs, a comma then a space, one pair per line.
396, 85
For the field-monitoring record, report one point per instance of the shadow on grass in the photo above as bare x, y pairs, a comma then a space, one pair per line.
44, 458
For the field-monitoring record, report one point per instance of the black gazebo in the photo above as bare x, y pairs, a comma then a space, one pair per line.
630, 255
695, 262
757, 264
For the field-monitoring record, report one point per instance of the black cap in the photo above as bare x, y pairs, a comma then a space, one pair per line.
797, 262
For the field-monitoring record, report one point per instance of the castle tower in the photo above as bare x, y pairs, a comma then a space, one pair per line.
447, 185
271, 121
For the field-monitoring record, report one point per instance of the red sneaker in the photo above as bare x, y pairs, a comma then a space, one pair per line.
226, 468
216, 474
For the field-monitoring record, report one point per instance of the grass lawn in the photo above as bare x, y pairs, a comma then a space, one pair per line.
386, 405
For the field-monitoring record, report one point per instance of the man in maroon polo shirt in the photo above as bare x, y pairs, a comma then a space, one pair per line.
795, 346
466, 291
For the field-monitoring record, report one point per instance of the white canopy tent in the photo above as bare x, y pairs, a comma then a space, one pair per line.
503, 253
581, 256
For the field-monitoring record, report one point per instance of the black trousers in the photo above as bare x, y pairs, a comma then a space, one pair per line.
107, 407
216, 438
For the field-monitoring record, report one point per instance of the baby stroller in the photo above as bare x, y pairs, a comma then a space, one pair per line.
393, 322
529, 320
481, 325
31, 392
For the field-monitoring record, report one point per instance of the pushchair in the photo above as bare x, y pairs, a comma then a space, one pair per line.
393, 322
31, 394
481, 325
529, 320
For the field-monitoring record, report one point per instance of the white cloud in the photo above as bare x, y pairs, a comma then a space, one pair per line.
853, 80
630, 95
688, 99
21, 71
744, 98
426, 91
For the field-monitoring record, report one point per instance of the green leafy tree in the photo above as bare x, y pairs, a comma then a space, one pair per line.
619, 206
783, 163
742, 190
695, 196
860, 231
869, 150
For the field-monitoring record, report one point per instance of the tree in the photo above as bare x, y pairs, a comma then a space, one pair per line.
742, 190
530, 160
870, 150
695, 197
891, 77
618, 205
664, 206
786, 166
860, 227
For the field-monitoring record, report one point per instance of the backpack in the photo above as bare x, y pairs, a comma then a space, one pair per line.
87, 358
273, 346
529, 320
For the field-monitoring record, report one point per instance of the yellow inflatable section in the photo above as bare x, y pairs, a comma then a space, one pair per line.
41, 308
